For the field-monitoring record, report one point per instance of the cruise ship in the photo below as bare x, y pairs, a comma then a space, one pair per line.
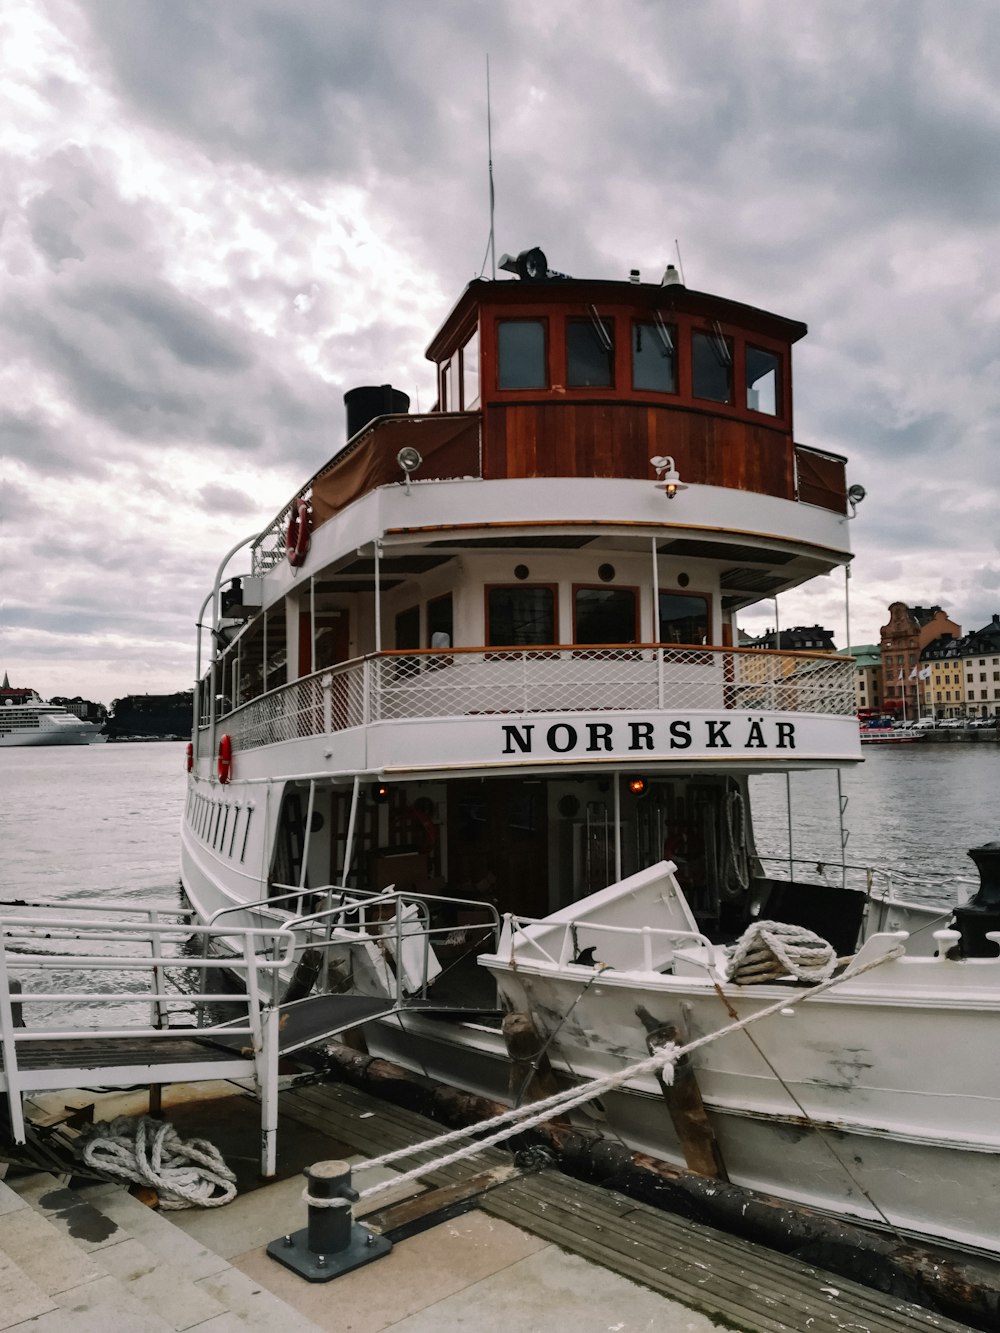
25, 719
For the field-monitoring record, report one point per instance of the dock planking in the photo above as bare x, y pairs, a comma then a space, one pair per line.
727, 1278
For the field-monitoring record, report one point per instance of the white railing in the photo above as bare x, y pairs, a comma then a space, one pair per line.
425, 683
398, 924
125, 970
620, 948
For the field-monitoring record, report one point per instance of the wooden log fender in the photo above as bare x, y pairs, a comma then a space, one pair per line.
965, 1288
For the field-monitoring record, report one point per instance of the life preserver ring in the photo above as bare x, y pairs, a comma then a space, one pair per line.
225, 758
190, 756
297, 536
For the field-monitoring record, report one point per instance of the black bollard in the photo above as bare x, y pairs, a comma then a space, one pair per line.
982, 912
332, 1242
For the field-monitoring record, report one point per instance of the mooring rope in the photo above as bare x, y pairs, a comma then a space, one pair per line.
150, 1152
519, 1119
770, 949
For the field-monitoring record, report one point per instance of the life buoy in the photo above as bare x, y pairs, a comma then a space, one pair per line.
190, 756
225, 758
297, 536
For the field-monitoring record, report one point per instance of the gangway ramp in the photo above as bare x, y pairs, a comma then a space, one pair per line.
131, 972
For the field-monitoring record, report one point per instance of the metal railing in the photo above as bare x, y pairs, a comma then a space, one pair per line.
386, 920
648, 948
428, 683
147, 960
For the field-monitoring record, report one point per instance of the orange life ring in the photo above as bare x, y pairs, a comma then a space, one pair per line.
297, 536
190, 756
225, 758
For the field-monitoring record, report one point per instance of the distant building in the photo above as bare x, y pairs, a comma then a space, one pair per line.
12, 694
909, 631
82, 708
868, 679
798, 639
942, 677
980, 653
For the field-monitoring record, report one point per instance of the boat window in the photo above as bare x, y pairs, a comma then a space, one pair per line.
712, 367
684, 618
251, 662
604, 615
275, 649
762, 381
654, 357
408, 636
521, 615
521, 354
470, 373
440, 633
590, 352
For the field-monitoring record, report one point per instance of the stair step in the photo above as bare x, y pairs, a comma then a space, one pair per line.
95, 1254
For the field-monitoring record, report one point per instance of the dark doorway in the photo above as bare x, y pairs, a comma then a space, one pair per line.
498, 843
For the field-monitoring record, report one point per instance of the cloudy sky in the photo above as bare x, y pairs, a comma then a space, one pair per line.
217, 215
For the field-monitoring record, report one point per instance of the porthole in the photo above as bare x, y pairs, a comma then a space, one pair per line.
605, 573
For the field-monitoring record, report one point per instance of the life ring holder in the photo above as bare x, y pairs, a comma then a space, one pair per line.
225, 758
298, 534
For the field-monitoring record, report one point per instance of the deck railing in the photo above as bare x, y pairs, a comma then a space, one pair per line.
456, 682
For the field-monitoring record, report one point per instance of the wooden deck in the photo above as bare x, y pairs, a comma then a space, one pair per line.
743, 1284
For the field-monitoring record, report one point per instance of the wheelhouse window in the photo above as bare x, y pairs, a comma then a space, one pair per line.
470, 373
521, 354
604, 615
590, 353
521, 615
654, 357
712, 367
763, 384
684, 618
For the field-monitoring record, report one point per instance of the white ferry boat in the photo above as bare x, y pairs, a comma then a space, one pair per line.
475, 722
26, 720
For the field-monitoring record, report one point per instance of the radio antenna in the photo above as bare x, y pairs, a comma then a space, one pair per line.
680, 263
489, 143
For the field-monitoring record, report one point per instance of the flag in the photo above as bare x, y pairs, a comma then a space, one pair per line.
926, 673
913, 674
900, 676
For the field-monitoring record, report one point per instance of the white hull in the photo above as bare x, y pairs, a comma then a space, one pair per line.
53, 736
927, 1186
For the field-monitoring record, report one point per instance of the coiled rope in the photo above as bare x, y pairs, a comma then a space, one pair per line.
151, 1152
770, 949
519, 1119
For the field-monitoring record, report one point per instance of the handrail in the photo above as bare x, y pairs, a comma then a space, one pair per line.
568, 931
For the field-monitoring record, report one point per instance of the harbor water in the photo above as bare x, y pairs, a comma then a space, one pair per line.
103, 821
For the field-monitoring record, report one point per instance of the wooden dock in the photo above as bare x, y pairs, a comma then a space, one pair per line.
738, 1283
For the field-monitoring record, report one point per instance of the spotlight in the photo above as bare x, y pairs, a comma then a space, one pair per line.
855, 494
409, 460
638, 786
380, 793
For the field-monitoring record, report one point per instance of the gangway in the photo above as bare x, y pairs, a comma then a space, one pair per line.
99, 994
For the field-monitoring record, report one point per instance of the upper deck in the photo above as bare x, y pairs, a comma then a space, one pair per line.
561, 378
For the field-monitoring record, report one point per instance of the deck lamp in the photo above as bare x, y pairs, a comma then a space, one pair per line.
855, 495
667, 477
